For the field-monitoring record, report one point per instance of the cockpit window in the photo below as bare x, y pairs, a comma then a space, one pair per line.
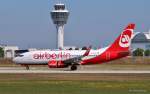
19, 55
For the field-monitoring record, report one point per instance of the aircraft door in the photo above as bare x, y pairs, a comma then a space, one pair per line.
108, 56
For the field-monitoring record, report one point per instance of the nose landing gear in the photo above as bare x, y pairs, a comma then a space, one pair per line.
27, 67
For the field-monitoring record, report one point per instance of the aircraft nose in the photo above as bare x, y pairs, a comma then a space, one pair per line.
16, 60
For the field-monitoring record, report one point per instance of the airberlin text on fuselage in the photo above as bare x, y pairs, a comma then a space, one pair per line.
46, 55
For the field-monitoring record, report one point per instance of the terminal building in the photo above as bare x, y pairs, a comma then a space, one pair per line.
141, 40
9, 51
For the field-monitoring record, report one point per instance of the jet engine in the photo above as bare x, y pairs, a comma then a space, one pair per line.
56, 64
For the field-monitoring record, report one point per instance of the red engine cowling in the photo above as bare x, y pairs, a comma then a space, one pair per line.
56, 64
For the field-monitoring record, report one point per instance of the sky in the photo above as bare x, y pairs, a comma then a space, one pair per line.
27, 23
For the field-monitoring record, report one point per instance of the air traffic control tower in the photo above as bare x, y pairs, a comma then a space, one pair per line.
60, 16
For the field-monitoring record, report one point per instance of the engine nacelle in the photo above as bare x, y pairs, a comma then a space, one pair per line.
82, 63
56, 64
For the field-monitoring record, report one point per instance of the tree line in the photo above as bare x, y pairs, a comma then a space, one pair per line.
1, 52
141, 52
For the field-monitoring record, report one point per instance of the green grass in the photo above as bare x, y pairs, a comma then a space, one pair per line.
74, 87
72, 84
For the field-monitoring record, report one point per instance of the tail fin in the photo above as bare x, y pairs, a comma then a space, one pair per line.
122, 43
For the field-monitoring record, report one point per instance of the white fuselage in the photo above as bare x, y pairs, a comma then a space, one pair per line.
43, 57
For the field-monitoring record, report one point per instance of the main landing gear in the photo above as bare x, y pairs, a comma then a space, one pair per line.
73, 67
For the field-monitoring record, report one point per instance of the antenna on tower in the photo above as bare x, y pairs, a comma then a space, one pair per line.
58, 2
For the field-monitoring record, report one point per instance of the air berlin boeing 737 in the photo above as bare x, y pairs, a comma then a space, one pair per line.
73, 58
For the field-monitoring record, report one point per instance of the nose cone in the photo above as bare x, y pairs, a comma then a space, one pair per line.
16, 60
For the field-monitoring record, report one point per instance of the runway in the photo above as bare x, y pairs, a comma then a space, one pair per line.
61, 71
47, 71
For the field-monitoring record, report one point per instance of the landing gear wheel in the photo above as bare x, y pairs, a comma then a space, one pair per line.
73, 67
27, 67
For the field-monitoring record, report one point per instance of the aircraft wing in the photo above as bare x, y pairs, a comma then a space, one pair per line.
78, 59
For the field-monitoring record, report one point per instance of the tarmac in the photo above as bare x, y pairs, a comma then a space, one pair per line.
19, 70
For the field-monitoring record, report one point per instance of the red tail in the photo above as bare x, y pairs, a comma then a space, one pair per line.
122, 43
119, 49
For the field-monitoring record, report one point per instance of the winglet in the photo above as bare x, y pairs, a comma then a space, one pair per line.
87, 51
130, 26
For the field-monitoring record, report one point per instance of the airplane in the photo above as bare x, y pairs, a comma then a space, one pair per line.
72, 58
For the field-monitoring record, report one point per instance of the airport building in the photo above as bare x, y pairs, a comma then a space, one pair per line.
60, 16
9, 51
141, 40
